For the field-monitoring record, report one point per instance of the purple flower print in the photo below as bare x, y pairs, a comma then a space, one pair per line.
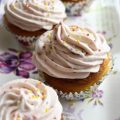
8, 62
97, 94
95, 97
18, 62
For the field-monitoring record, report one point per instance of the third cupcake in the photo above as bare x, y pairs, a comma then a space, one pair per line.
29, 99
28, 19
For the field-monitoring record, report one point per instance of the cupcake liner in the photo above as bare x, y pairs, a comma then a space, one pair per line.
27, 42
78, 96
76, 8
82, 95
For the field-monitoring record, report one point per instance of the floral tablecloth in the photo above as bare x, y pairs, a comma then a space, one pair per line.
101, 104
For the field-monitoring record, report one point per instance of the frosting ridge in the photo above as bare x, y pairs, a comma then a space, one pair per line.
70, 52
33, 15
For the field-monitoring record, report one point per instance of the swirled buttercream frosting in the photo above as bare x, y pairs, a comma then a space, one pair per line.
29, 100
70, 52
33, 15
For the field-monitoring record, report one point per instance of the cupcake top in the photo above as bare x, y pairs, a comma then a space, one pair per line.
33, 15
29, 99
70, 52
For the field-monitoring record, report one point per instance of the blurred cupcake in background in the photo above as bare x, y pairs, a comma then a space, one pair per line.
72, 59
28, 99
28, 19
75, 7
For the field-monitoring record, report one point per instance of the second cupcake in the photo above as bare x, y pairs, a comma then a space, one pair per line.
28, 19
72, 59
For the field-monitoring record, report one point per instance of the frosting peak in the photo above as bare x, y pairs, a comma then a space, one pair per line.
70, 52
29, 99
33, 15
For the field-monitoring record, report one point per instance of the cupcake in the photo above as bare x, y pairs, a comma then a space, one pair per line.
72, 59
28, 19
28, 99
75, 7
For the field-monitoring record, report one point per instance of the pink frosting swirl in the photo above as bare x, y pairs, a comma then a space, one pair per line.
70, 52
33, 15
29, 99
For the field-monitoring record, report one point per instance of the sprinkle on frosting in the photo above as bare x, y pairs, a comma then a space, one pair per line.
35, 97
49, 36
75, 52
38, 90
38, 83
47, 3
74, 27
47, 109
26, 101
18, 117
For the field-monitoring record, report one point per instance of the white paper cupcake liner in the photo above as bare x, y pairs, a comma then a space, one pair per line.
27, 42
76, 8
83, 94
78, 96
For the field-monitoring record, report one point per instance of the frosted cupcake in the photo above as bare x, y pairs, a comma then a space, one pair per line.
28, 99
75, 7
72, 59
28, 19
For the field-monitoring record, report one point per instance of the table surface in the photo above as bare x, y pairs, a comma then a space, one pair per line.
103, 17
